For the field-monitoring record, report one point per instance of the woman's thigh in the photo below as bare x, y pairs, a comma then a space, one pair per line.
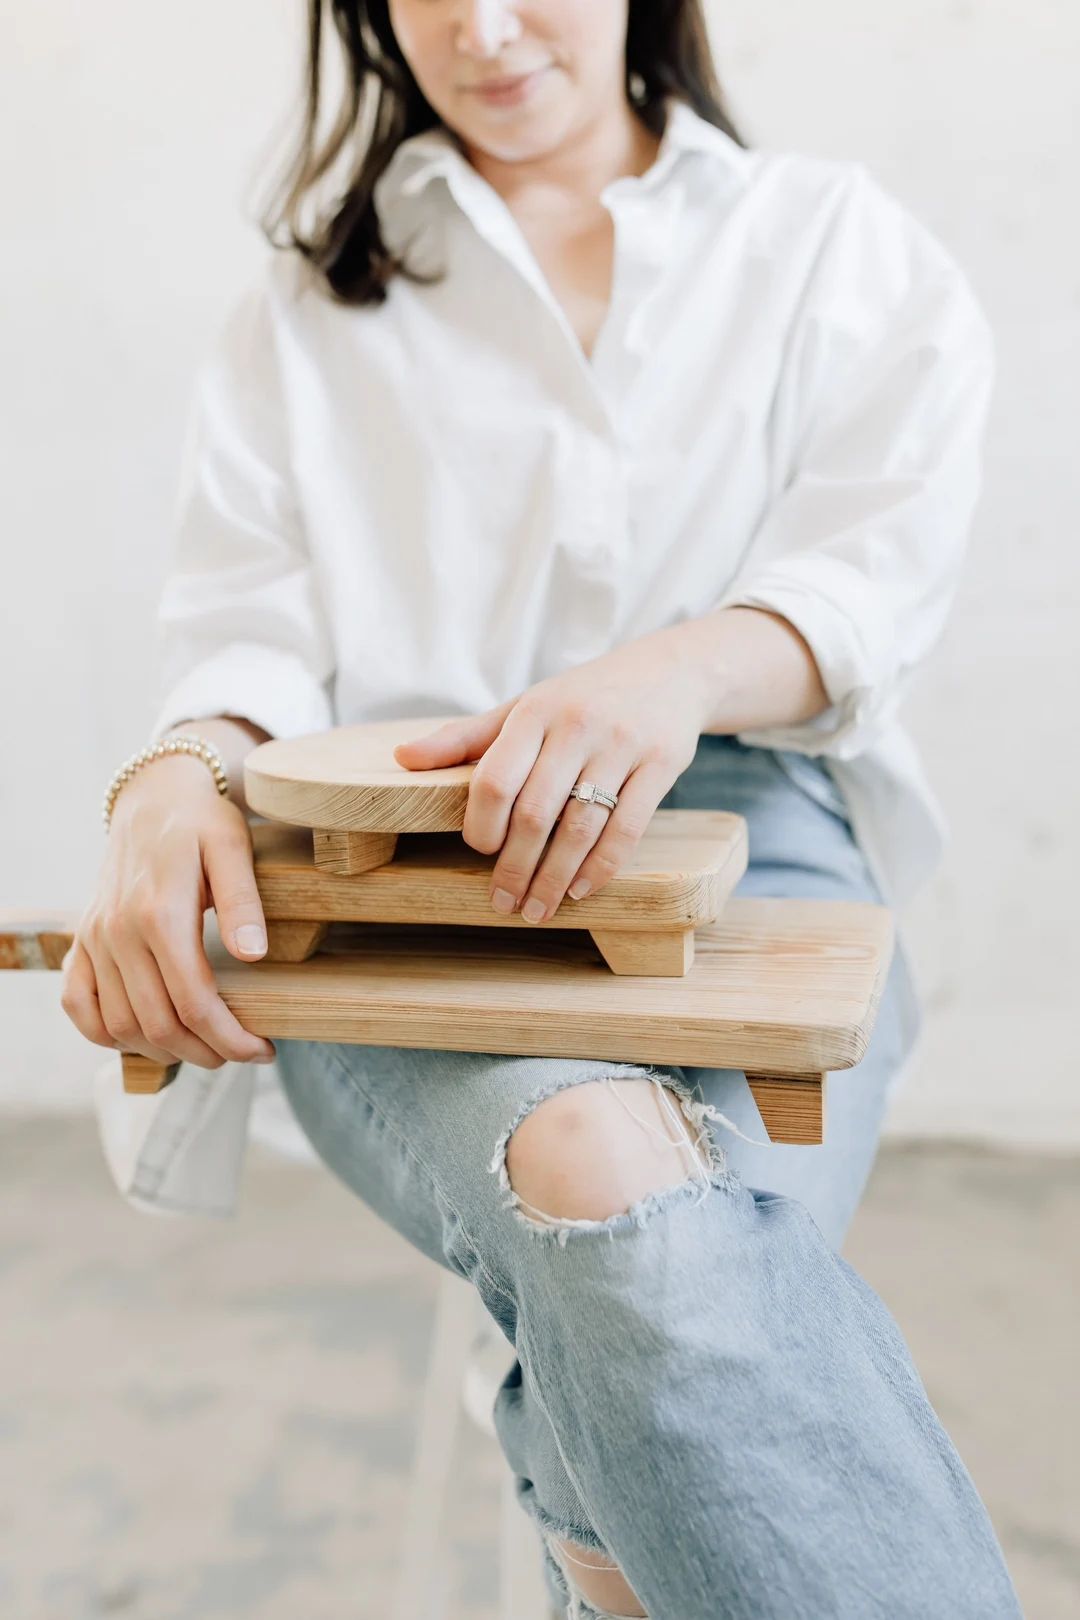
419, 1134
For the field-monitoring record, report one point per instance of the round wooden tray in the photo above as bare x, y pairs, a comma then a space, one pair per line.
347, 780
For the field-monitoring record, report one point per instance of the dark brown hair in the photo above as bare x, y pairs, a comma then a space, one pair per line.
667, 53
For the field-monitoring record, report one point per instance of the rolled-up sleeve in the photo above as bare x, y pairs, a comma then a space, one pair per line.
241, 626
878, 424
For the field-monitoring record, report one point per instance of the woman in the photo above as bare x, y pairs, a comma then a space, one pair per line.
650, 459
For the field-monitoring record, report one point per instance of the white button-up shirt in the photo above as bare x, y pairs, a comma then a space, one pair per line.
428, 505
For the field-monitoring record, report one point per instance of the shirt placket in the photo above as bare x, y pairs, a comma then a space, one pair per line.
644, 227
595, 540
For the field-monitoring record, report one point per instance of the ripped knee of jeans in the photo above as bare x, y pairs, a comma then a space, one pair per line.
604, 1152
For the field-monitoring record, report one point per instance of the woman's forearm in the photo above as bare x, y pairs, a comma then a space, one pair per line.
755, 669
752, 669
232, 736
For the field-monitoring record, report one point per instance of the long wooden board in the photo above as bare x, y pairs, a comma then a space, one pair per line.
778, 986
783, 990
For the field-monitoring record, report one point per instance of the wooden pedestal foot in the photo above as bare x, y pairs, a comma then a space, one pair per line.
288, 941
347, 853
141, 1074
667, 954
792, 1110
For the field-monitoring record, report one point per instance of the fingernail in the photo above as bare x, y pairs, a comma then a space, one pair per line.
250, 938
533, 910
503, 901
579, 888
266, 1057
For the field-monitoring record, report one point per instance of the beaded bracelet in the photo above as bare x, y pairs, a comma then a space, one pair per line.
170, 745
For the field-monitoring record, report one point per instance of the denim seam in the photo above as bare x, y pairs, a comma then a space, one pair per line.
412, 1153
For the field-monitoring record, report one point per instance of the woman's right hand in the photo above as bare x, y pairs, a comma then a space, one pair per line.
136, 976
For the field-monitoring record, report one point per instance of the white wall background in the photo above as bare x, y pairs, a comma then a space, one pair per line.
131, 137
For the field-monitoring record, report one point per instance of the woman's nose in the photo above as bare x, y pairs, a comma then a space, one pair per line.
485, 26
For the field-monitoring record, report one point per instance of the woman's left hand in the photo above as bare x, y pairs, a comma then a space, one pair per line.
628, 721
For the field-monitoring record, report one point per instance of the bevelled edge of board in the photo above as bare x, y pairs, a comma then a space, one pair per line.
417, 890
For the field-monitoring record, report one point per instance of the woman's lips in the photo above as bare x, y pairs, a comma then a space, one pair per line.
507, 92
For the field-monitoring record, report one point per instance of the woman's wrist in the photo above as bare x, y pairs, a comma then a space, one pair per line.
196, 748
233, 737
752, 668
172, 779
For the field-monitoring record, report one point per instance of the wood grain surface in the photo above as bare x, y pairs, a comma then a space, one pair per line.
784, 988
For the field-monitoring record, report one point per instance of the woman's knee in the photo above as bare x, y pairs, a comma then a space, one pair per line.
590, 1151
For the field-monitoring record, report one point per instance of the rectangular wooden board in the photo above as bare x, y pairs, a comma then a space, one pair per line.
681, 874
778, 986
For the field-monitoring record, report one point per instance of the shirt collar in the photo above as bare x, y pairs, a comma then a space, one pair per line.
435, 152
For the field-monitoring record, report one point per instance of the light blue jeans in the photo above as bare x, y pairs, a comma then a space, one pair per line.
704, 1391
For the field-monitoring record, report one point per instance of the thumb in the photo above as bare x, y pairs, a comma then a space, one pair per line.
230, 872
456, 741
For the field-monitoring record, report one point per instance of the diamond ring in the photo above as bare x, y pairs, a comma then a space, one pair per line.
589, 793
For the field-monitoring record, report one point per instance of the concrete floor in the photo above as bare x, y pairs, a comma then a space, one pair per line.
206, 1420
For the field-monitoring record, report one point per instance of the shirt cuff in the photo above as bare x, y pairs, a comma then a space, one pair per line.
266, 685
851, 634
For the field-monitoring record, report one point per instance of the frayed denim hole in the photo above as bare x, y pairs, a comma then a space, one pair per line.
716, 1173
580, 1607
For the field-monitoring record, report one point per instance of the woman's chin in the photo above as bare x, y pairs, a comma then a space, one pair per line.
524, 142
515, 133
